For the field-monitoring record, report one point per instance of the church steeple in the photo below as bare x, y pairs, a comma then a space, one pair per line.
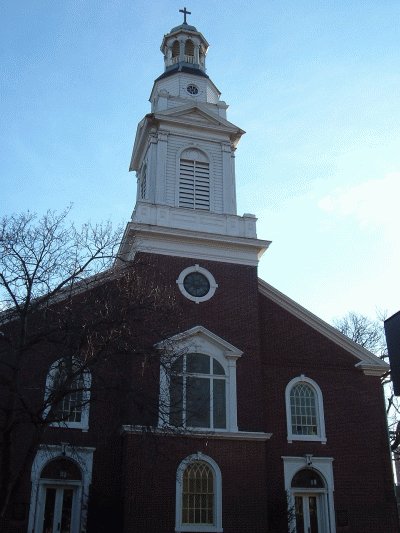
184, 157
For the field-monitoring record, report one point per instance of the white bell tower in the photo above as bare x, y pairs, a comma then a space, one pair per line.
183, 156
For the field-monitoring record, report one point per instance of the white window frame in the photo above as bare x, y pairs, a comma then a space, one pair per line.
319, 404
199, 340
211, 378
216, 527
87, 380
83, 458
207, 274
323, 467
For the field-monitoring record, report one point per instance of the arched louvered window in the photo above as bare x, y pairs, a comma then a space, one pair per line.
304, 410
194, 180
198, 495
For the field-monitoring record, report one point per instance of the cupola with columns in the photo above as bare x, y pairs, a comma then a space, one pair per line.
184, 158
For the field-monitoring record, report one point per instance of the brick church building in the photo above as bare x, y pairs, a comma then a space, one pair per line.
272, 421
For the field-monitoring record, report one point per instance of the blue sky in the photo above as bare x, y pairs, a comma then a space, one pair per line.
315, 84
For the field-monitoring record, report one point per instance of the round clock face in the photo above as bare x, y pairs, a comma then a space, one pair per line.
192, 89
196, 284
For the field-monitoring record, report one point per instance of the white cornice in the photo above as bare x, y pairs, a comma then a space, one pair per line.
368, 363
187, 243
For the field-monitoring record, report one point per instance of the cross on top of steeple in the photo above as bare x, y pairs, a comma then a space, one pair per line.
185, 12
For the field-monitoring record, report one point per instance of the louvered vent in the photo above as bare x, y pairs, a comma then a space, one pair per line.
194, 184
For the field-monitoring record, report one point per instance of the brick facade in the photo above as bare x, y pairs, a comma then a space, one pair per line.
133, 485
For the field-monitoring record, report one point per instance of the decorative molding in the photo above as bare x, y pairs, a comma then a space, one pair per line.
193, 244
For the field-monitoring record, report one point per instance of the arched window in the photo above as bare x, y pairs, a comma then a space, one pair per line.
189, 51
198, 388
304, 410
198, 495
194, 180
197, 392
67, 393
175, 49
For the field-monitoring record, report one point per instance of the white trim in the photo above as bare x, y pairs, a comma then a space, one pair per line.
319, 404
83, 458
323, 466
194, 243
208, 435
217, 526
199, 340
87, 380
369, 363
207, 274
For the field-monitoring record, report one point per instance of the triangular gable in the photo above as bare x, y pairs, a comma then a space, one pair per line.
200, 113
201, 340
368, 362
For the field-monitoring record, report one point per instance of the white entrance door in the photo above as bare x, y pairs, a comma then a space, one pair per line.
57, 510
308, 513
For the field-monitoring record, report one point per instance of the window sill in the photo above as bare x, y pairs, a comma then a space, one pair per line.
306, 438
198, 529
69, 425
218, 435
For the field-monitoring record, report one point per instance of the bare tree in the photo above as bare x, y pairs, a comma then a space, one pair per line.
370, 334
60, 294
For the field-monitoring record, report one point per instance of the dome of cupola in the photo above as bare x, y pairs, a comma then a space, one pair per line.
184, 48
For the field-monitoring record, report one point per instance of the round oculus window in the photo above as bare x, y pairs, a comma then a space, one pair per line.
196, 284
192, 89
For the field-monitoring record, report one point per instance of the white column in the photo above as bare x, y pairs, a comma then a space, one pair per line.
232, 395
160, 185
152, 167
181, 50
196, 54
228, 180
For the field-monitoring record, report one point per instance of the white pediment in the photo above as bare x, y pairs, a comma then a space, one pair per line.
199, 340
198, 113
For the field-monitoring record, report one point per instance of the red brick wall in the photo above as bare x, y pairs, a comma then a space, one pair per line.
354, 419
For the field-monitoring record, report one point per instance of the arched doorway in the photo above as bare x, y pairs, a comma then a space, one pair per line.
61, 476
60, 490
310, 505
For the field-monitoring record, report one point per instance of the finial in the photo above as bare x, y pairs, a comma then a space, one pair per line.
185, 12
